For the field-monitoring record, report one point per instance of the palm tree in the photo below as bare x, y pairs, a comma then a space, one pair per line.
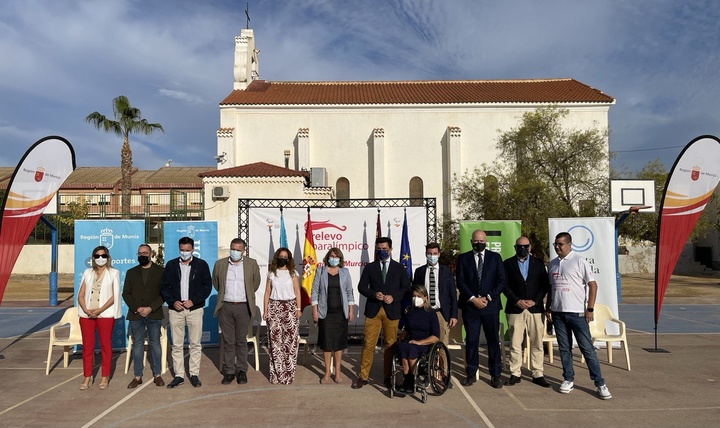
128, 119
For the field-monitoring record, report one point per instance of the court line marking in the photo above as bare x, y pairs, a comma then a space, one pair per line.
116, 405
472, 403
38, 395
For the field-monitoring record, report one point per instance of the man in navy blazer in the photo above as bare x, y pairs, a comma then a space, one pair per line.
443, 298
185, 285
526, 287
383, 282
480, 303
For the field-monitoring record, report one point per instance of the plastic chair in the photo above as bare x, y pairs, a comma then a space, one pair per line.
163, 345
599, 333
549, 339
311, 339
75, 338
251, 338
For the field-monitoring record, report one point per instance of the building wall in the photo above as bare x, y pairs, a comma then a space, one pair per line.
341, 140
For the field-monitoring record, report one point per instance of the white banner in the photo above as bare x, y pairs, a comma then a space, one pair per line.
352, 230
594, 239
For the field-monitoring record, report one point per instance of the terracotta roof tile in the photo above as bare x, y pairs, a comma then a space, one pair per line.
257, 169
261, 92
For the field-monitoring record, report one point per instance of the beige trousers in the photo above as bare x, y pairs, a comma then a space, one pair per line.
193, 321
517, 324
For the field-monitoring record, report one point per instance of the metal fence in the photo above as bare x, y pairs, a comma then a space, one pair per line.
153, 208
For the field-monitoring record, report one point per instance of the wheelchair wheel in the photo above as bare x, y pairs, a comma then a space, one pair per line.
393, 370
439, 368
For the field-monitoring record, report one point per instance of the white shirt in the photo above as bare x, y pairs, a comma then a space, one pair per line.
282, 285
184, 281
568, 278
235, 283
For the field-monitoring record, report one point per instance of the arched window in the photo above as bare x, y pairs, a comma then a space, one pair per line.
342, 192
416, 192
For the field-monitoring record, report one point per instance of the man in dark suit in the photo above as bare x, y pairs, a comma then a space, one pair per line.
525, 289
440, 284
480, 279
185, 285
236, 280
141, 292
383, 282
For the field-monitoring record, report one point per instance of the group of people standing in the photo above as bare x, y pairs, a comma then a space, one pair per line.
434, 297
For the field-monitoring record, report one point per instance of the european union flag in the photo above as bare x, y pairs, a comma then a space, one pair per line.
405, 256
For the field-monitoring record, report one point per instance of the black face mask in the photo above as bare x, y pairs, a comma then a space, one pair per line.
479, 246
143, 260
282, 262
521, 252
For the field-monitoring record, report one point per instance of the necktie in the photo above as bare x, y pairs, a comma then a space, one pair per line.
432, 287
384, 271
479, 268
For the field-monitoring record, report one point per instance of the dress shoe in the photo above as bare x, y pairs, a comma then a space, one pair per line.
159, 381
241, 377
513, 380
409, 383
195, 381
177, 381
541, 381
135, 382
359, 383
227, 379
496, 382
469, 380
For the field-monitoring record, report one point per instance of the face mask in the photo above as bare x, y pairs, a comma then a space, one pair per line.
185, 255
101, 261
521, 252
382, 254
282, 262
333, 261
235, 255
418, 302
143, 260
479, 246
432, 259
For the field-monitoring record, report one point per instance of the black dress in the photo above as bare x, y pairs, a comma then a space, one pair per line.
333, 329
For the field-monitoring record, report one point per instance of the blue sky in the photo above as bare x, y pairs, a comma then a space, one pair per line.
174, 60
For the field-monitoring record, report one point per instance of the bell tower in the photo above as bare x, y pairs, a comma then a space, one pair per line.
246, 59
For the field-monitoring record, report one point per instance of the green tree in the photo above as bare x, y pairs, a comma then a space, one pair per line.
127, 120
543, 171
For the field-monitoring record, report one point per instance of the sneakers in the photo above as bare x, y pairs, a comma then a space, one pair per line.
604, 392
567, 386
177, 381
195, 381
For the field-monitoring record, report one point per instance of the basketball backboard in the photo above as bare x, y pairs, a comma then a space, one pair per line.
625, 194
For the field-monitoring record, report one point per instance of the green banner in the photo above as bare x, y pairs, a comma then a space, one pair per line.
501, 237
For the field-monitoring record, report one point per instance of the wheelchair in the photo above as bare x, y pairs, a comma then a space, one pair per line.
430, 370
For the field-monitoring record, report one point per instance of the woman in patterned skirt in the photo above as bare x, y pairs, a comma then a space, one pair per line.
282, 313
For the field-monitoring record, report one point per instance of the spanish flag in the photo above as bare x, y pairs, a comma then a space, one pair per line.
309, 263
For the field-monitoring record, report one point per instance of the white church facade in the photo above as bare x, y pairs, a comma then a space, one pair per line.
399, 139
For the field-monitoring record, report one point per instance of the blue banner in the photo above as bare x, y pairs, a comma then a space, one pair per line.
205, 235
122, 239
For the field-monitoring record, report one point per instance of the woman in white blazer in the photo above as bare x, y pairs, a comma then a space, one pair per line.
98, 307
332, 304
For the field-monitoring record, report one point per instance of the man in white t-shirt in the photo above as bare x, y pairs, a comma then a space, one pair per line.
570, 310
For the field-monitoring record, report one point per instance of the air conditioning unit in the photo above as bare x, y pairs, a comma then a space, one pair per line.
220, 192
318, 177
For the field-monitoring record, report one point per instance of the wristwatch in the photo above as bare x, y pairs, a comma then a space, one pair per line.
591, 310
489, 298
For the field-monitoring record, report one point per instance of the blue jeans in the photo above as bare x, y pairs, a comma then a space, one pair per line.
137, 330
566, 323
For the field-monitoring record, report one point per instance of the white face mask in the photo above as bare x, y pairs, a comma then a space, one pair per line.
101, 261
432, 259
235, 255
418, 301
185, 255
333, 261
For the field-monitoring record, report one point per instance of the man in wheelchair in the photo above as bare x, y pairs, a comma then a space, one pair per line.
423, 357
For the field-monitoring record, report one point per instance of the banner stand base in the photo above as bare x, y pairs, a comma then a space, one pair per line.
656, 350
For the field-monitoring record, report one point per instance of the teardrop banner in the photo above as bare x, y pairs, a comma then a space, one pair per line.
38, 176
690, 185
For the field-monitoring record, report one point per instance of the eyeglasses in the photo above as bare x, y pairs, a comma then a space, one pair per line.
559, 244
522, 246
97, 256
